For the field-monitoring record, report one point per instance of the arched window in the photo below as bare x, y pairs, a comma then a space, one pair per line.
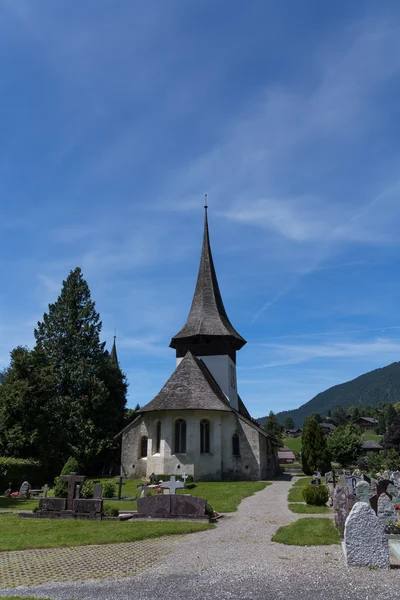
143, 447
235, 445
204, 437
158, 438
180, 436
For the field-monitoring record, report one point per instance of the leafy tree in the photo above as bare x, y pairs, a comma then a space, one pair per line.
289, 423
65, 397
397, 406
354, 413
273, 427
390, 414
339, 415
345, 444
381, 427
391, 439
314, 451
317, 417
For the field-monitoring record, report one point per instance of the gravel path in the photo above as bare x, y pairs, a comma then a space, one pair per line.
238, 560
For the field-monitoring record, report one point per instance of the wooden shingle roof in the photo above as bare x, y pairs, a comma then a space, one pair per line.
190, 387
207, 316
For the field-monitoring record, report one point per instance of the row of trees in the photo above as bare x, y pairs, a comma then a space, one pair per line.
65, 397
343, 446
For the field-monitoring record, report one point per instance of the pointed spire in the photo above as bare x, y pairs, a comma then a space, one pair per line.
207, 316
113, 355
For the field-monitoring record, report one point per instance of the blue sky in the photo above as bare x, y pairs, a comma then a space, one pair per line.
116, 117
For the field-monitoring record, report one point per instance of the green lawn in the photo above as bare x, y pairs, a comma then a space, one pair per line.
372, 436
308, 532
222, 496
302, 482
225, 496
308, 509
295, 494
22, 534
293, 443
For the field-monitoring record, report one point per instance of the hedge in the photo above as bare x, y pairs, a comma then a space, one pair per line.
18, 470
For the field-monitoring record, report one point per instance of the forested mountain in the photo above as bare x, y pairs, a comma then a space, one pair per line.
380, 385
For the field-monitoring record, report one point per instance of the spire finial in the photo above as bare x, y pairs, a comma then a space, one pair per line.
205, 201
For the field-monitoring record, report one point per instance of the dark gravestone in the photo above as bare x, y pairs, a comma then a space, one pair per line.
52, 504
91, 505
187, 506
98, 490
73, 480
155, 506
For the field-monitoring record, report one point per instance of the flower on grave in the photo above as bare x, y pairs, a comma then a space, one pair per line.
397, 506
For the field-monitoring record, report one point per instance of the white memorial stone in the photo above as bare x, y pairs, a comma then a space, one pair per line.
365, 543
386, 511
172, 485
363, 491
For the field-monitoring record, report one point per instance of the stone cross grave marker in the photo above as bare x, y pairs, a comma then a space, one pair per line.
98, 490
144, 490
73, 480
184, 477
120, 484
172, 485
45, 489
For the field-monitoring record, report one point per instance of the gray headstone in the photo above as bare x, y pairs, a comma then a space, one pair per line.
52, 504
172, 485
365, 543
386, 511
98, 490
394, 492
24, 490
363, 491
396, 479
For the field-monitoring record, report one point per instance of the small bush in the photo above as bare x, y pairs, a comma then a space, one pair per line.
209, 511
190, 486
110, 511
316, 496
61, 487
109, 489
87, 488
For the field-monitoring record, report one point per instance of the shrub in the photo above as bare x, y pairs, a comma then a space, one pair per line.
109, 489
209, 511
17, 470
87, 489
110, 511
61, 487
316, 496
190, 486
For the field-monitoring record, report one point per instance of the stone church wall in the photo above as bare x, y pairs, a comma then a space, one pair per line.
254, 462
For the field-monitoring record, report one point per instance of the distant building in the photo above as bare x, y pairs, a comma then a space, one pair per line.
286, 455
328, 428
370, 447
366, 423
296, 432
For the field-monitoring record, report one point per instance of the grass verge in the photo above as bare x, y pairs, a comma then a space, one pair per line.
308, 532
303, 481
225, 496
22, 534
296, 494
307, 509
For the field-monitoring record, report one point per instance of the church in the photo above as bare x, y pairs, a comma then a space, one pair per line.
198, 424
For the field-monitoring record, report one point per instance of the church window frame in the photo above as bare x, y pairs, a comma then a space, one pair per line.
180, 436
143, 446
157, 437
235, 444
205, 436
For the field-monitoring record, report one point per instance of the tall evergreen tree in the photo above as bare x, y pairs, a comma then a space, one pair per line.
314, 451
391, 439
289, 423
90, 386
273, 427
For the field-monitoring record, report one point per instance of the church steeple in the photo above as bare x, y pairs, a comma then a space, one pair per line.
207, 330
113, 354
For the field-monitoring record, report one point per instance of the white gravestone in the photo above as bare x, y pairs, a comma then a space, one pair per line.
172, 485
365, 544
363, 491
